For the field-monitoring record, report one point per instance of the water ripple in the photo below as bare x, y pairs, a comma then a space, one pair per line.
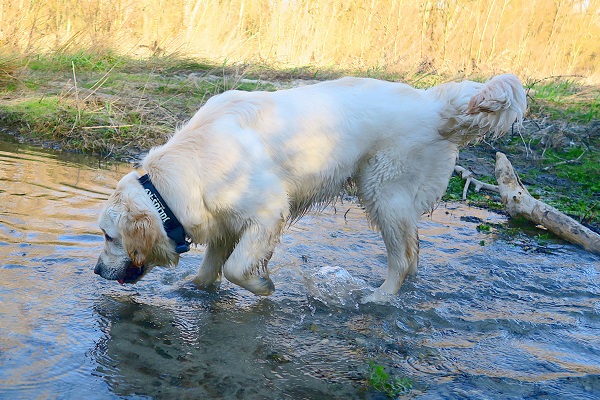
502, 320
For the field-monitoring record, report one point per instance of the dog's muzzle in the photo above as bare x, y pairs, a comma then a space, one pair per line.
132, 273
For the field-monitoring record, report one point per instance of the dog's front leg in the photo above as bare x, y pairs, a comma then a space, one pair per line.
247, 265
402, 243
217, 252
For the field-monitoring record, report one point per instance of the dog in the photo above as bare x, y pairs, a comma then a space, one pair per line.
249, 163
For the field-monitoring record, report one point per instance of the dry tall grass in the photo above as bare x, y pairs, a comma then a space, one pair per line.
531, 37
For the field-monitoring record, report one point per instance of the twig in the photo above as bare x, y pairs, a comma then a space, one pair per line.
107, 126
468, 177
98, 84
76, 98
565, 161
527, 147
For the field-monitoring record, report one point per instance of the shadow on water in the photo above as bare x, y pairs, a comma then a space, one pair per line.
500, 320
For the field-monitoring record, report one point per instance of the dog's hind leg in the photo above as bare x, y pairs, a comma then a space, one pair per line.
247, 265
217, 252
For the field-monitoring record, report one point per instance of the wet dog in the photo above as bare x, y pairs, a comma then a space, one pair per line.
248, 163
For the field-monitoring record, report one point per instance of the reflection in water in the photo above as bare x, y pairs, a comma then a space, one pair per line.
494, 321
47, 211
214, 350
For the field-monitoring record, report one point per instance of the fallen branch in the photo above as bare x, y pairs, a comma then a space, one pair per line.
519, 203
468, 177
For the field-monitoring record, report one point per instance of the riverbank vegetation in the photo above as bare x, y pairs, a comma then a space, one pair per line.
120, 107
107, 104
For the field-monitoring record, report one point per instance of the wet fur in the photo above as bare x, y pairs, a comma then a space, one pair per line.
248, 163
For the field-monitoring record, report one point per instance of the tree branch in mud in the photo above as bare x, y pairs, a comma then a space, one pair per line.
468, 177
519, 203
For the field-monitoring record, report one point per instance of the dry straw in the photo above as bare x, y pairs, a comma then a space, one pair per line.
530, 37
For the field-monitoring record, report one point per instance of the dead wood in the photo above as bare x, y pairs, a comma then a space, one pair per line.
469, 180
519, 203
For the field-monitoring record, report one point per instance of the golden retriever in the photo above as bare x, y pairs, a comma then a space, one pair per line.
248, 163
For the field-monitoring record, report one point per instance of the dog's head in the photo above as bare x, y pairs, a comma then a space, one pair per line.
134, 238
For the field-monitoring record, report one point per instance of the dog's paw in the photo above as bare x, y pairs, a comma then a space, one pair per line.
208, 287
259, 285
199, 283
378, 296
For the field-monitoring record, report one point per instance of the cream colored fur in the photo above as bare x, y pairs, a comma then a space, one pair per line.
248, 163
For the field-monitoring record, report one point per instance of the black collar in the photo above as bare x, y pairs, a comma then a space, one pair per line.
171, 224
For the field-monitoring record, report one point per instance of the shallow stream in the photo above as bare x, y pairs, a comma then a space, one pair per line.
490, 314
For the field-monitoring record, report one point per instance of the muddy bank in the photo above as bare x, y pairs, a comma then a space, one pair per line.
558, 180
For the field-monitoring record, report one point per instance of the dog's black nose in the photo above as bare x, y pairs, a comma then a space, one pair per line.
98, 268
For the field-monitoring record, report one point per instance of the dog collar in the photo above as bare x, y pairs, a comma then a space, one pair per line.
171, 224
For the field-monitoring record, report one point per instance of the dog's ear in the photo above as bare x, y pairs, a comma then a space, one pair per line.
140, 234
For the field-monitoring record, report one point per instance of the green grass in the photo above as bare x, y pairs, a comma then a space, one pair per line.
480, 199
567, 179
564, 100
107, 104
581, 167
82, 61
483, 227
86, 60
50, 115
454, 189
391, 386
38, 109
577, 164
87, 126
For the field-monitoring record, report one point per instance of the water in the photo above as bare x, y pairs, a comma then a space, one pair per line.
506, 319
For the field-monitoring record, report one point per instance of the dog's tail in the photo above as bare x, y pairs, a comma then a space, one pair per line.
474, 110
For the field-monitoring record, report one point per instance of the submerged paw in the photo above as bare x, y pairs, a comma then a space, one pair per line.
259, 285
